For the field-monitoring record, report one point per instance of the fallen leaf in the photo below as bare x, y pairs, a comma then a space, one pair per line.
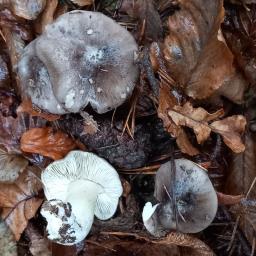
90, 125
11, 129
196, 246
27, 9
19, 201
224, 199
7, 242
46, 142
83, 2
11, 165
47, 16
38, 243
8, 102
4, 74
196, 59
231, 129
28, 107
150, 26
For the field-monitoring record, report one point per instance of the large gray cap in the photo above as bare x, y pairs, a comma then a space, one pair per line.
83, 57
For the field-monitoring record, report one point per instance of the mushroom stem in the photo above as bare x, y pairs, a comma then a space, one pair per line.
82, 195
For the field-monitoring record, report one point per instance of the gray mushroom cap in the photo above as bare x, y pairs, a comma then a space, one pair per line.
83, 57
195, 199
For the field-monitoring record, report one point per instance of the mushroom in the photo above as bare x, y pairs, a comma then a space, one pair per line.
82, 58
187, 200
78, 187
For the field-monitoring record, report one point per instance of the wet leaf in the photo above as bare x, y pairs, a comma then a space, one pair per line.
45, 141
28, 107
229, 199
150, 26
7, 242
11, 165
83, 2
38, 243
196, 58
19, 201
231, 129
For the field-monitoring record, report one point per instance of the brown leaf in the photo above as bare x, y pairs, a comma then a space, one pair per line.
90, 125
27, 106
46, 142
228, 199
242, 170
38, 243
7, 242
174, 238
82, 2
11, 165
197, 60
150, 25
231, 129
19, 200
167, 101
195, 118
47, 16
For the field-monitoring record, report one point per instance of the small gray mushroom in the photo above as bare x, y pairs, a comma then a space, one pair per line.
78, 187
82, 58
187, 203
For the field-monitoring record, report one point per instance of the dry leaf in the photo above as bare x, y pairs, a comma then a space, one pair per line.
197, 60
19, 200
90, 125
229, 199
47, 16
83, 2
27, 106
46, 142
27, 9
38, 243
231, 129
150, 25
174, 238
11, 165
7, 243
242, 172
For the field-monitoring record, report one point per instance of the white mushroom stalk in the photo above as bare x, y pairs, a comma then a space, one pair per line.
78, 187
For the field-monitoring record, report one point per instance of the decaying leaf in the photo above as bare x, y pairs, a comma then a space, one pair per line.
19, 201
90, 125
27, 9
150, 25
7, 242
11, 129
27, 106
242, 172
229, 199
196, 59
47, 15
38, 243
4, 73
45, 141
11, 165
83, 2
196, 246
231, 129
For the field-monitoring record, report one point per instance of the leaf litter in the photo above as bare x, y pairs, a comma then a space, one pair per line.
194, 100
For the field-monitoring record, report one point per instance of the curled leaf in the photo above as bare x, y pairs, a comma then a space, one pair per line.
11, 165
19, 200
46, 142
231, 129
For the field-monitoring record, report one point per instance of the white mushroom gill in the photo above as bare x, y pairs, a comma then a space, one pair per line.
78, 187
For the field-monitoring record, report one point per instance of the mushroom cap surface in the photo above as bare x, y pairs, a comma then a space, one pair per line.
83, 57
195, 198
79, 166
